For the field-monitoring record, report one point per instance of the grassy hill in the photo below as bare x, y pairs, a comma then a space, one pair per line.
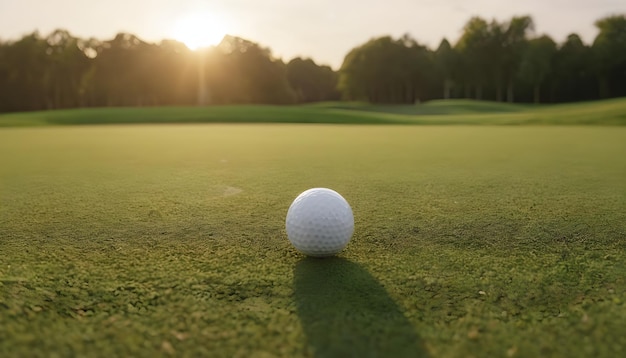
436, 107
607, 112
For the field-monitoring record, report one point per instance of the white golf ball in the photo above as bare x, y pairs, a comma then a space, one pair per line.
319, 222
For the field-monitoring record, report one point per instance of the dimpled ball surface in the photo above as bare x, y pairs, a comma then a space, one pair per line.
319, 222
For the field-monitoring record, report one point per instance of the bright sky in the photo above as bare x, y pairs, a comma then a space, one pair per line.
322, 29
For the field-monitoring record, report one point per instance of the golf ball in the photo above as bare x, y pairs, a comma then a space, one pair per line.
319, 222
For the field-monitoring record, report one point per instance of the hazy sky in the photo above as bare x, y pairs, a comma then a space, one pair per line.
322, 29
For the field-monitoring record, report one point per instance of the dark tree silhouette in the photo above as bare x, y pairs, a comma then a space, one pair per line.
609, 49
311, 82
241, 71
386, 70
537, 63
573, 72
447, 62
474, 47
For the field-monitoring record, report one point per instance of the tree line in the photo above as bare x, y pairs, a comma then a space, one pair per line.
63, 71
491, 60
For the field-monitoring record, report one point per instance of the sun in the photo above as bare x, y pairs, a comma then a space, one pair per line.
200, 29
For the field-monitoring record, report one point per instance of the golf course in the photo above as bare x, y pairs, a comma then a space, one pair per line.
482, 229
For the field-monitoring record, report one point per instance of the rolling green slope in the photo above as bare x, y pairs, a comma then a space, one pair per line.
609, 112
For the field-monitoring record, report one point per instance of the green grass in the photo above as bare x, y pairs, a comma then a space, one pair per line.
609, 112
436, 107
162, 240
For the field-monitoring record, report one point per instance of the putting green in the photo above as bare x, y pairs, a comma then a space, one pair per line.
169, 240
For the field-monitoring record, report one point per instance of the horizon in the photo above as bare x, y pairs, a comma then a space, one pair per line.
310, 25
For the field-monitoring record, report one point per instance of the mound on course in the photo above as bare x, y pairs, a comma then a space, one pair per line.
609, 112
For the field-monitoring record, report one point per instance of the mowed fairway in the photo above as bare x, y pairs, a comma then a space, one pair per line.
485, 241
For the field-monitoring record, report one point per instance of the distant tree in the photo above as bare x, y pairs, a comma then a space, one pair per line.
311, 82
5, 71
385, 70
122, 72
496, 48
66, 64
126, 71
86, 93
609, 48
354, 76
536, 64
514, 44
24, 69
491, 53
178, 75
573, 72
474, 48
241, 71
446, 60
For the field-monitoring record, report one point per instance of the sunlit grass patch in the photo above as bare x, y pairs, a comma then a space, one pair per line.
476, 240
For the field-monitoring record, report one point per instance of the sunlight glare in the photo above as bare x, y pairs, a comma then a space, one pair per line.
200, 29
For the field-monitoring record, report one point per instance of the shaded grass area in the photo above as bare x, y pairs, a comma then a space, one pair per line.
345, 312
215, 114
169, 240
450, 112
436, 107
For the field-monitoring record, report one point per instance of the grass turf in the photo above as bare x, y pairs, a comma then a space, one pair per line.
468, 112
169, 240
